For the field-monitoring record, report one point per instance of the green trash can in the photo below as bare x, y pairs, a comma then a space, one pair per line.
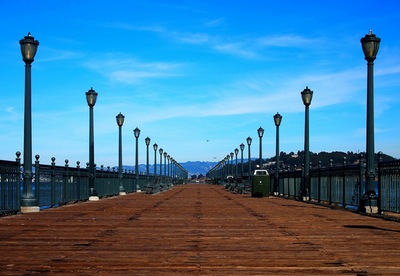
260, 183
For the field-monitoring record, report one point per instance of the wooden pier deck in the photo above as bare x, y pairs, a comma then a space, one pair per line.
198, 230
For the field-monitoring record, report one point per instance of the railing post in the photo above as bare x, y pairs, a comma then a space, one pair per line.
294, 180
361, 177
330, 181
102, 187
37, 179
309, 190
283, 180
302, 187
88, 177
65, 181
18, 180
344, 181
53, 181
319, 181
116, 179
110, 180
379, 182
78, 181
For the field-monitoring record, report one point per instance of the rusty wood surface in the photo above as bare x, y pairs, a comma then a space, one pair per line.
198, 230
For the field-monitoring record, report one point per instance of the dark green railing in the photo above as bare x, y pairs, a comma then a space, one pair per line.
59, 185
342, 185
389, 188
10, 180
332, 185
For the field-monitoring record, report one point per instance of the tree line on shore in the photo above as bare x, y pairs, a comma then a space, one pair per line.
290, 160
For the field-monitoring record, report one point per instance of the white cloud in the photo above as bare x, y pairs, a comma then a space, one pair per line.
215, 23
130, 71
238, 49
196, 38
50, 54
285, 41
247, 47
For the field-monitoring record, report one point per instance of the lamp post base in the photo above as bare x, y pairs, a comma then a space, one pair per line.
94, 198
371, 209
369, 203
306, 198
30, 209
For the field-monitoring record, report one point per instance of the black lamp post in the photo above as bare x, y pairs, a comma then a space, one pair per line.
147, 141
222, 169
249, 144
236, 170
228, 170
120, 121
155, 146
173, 168
168, 167
231, 155
165, 163
28, 200
260, 132
136, 132
306, 96
91, 98
370, 45
161, 153
227, 165
241, 161
277, 120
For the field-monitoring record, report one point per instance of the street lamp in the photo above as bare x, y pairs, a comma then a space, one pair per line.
227, 165
370, 45
236, 153
165, 163
260, 132
168, 167
277, 120
161, 152
155, 146
249, 144
91, 98
231, 155
136, 132
28, 201
241, 152
306, 96
147, 141
120, 121
173, 168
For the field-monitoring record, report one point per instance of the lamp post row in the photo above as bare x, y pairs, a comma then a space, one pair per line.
370, 46
29, 202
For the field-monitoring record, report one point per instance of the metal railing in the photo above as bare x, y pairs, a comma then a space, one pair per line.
10, 181
332, 185
342, 185
389, 188
54, 186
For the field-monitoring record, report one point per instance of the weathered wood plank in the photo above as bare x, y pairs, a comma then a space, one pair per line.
198, 230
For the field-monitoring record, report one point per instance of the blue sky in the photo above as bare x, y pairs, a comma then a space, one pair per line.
197, 77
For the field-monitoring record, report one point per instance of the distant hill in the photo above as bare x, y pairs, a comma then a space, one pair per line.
198, 167
193, 167
286, 159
